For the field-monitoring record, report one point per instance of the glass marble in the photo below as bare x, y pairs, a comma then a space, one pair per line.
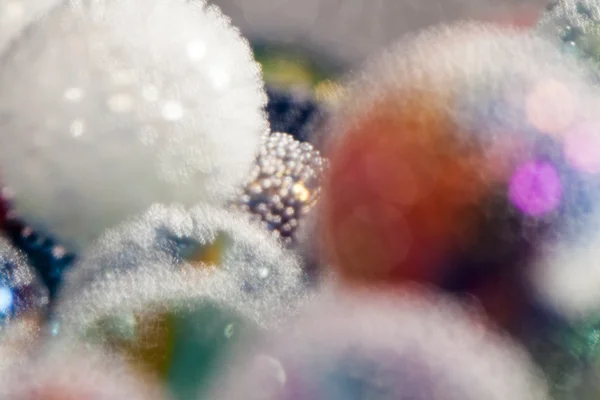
184, 347
177, 326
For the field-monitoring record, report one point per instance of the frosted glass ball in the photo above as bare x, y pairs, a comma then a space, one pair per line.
110, 106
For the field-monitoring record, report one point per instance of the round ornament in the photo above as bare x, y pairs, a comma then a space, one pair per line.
177, 326
367, 345
452, 154
135, 102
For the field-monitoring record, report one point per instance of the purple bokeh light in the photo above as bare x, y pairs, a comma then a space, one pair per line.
536, 188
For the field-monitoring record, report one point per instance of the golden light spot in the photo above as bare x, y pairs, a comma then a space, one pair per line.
301, 192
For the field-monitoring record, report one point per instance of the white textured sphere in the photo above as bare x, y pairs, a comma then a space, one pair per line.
110, 106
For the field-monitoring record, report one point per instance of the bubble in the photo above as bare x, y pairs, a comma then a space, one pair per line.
105, 71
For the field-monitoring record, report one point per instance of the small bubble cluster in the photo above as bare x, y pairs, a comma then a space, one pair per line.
464, 151
284, 184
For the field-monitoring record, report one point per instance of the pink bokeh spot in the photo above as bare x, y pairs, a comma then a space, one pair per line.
536, 188
582, 148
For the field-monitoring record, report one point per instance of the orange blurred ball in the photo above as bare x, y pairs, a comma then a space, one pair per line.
423, 151
400, 193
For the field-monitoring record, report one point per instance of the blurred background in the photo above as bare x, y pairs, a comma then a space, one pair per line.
349, 31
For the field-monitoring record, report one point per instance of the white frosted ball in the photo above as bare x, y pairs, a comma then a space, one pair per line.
110, 106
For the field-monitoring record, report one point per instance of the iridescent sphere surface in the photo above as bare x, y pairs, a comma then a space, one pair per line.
135, 102
178, 326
